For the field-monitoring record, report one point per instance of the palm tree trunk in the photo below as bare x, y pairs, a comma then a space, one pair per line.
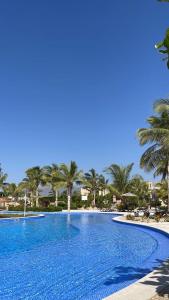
68, 199
56, 197
168, 186
37, 198
31, 199
94, 198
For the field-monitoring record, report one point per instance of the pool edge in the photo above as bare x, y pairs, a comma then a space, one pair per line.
141, 290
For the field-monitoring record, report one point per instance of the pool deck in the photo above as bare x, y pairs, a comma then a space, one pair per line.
154, 283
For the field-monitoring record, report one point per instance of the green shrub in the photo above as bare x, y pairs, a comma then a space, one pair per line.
16, 208
62, 205
121, 207
75, 201
130, 217
104, 201
73, 206
3, 208
3, 216
157, 217
87, 203
50, 208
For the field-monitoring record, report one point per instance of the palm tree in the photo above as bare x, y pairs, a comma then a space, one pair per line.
11, 190
92, 183
27, 186
68, 176
162, 190
51, 176
103, 184
32, 182
140, 188
121, 176
3, 177
156, 157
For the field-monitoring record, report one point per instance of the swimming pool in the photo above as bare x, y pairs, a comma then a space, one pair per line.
79, 256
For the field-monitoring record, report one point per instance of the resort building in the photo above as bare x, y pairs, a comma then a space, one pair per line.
6, 202
84, 194
104, 192
152, 186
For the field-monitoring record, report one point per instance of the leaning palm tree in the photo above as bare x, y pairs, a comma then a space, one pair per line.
92, 183
33, 180
68, 176
156, 157
121, 177
51, 177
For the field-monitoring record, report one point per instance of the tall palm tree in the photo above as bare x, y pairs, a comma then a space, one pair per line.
3, 177
103, 184
11, 190
51, 177
121, 177
156, 157
92, 183
32, 181
162, 190
27, 186
140, 188
68, 176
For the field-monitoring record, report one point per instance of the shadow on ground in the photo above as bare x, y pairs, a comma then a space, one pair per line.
159, 279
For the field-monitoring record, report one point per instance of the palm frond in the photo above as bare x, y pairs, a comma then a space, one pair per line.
151, 135
161, 105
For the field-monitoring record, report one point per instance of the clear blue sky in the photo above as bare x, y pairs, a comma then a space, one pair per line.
77, 79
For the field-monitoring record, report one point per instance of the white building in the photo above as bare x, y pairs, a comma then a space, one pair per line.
84, 194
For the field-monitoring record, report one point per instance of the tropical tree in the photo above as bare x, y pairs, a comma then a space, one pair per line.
140, 188
11, 190
32, 181
103, 184
121, 177
3, 177
162, 191
163, 46
51, 177
156, 157
68, 176
92, 183
27, 186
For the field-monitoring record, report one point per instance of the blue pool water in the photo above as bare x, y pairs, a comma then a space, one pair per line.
82, 256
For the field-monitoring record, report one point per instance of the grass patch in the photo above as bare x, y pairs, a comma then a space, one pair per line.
3, 216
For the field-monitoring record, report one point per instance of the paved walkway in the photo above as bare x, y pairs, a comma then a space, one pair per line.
155, 285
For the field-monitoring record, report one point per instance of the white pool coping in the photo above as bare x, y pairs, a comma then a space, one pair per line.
146, 287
